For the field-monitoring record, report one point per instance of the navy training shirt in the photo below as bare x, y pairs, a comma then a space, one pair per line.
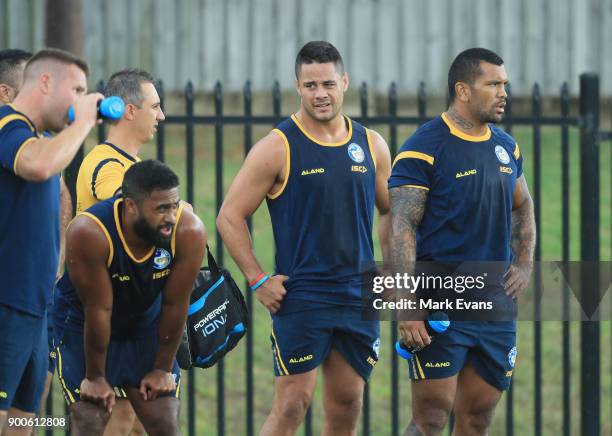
137, 283
29, 222
471, 181
322, 216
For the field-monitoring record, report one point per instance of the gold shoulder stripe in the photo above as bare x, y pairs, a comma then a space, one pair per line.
4, 121
287, 164
415, 155
517, 152
369, 137
103, 227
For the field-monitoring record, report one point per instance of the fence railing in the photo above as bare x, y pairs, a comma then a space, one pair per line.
588, 122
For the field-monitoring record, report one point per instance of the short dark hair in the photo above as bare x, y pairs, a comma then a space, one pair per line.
62, 56
126, 84
144, 177
320, 52
10, 59
466, 67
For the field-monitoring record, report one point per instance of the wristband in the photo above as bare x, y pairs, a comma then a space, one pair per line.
258, 278
259, 282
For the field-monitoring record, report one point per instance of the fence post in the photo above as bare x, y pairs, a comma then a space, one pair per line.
219, 247
589, 250
189, 138
250, 382
565, 219
537, 273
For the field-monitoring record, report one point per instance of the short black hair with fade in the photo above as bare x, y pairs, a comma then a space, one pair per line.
62, 56
144, 177
466, 67
9, 59
320, 52
126, 84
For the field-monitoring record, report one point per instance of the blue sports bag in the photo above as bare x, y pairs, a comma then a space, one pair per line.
217, 318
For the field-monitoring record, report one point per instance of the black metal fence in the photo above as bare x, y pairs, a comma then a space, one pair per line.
590, 136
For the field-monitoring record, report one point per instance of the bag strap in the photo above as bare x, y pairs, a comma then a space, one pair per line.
212, 263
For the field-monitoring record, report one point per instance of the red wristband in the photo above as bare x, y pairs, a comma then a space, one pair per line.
258, 278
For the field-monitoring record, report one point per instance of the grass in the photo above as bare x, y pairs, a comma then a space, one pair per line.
380, 385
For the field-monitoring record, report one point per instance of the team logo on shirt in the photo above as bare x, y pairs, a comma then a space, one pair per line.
162, 259
356, 153
512, 357
376, 347
502, 154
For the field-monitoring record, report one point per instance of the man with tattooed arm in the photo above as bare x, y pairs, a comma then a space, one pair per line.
458, 193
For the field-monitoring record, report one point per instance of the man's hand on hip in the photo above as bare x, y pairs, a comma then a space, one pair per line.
272, 292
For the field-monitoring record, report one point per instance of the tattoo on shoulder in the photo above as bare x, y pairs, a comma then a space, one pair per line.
458, 119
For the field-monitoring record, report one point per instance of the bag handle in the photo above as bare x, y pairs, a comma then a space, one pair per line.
212, 263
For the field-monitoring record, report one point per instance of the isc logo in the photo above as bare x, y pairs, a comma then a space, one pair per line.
160, 274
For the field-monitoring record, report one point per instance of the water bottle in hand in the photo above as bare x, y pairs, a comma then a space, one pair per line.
435, 324
110, 108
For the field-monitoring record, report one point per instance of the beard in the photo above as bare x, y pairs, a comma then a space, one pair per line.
490, 115
149, 233
493, 117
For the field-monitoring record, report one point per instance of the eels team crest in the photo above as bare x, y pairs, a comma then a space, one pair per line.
355, 152
376, 347
512, 357
502, 154
162, 259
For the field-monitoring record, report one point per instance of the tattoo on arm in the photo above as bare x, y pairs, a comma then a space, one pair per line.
458, 119
407, 209
523, 228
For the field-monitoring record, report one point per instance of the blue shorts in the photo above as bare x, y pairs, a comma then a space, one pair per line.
301, 341
23, 359
490, 346
127, 362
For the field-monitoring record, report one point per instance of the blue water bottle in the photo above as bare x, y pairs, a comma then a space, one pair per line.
110, 108
435, 324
